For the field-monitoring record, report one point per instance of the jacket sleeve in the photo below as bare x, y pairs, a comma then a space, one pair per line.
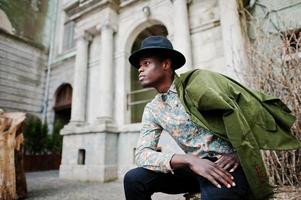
277, 109
146, 155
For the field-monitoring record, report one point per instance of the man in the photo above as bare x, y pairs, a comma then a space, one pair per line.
220, 125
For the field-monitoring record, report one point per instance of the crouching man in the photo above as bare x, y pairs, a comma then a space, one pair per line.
220, 125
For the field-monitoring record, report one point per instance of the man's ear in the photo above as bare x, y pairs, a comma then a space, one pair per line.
167, 64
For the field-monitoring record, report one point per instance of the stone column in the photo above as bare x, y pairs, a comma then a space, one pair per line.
78, 111
182, 32
233, 40
106, 79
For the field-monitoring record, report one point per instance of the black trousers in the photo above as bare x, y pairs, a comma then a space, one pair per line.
141, 184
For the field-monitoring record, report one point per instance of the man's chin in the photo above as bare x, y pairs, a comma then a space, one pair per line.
145, 84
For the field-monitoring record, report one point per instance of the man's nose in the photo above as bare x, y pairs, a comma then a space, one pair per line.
140, 69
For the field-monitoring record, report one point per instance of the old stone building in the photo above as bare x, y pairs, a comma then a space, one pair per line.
91, 83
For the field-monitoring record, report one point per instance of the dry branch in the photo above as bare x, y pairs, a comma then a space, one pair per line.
275, 69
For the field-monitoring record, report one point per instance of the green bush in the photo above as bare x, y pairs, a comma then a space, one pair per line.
56, 138
37, 139
35, 134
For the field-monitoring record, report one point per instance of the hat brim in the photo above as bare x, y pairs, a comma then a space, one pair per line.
178, 59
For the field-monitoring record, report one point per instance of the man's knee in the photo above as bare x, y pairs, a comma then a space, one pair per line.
131, 176
137, 177
136, 183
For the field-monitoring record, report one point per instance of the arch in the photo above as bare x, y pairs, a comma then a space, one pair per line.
139, 25
5, 23
157, 29
63, 96
62, 104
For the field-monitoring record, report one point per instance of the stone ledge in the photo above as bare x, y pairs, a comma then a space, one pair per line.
130, 128
73, 129
23, 40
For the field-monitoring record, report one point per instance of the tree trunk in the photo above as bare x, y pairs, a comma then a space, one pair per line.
12, 178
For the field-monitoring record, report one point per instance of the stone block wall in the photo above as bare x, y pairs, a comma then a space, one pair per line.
22, 75
89, 153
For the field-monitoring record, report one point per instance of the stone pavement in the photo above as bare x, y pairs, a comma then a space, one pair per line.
48, 186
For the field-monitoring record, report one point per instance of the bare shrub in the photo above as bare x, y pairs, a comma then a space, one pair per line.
275, 69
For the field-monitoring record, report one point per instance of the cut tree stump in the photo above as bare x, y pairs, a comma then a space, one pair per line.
12, 177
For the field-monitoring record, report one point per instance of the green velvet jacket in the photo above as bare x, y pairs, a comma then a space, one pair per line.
250, 120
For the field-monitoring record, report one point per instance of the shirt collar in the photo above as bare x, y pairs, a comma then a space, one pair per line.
172, 89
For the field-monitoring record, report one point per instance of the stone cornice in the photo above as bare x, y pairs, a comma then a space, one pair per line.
77, 10
205, 26
127, 3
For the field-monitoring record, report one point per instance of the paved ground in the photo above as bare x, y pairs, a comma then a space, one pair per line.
48, 186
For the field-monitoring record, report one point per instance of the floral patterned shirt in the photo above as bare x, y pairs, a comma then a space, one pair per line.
165, 112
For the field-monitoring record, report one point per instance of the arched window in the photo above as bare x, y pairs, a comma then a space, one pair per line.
138, 96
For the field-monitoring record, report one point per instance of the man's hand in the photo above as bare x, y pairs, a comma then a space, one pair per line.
228, 161
205, 168
212, 172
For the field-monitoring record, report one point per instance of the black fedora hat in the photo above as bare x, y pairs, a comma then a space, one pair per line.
160, 45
